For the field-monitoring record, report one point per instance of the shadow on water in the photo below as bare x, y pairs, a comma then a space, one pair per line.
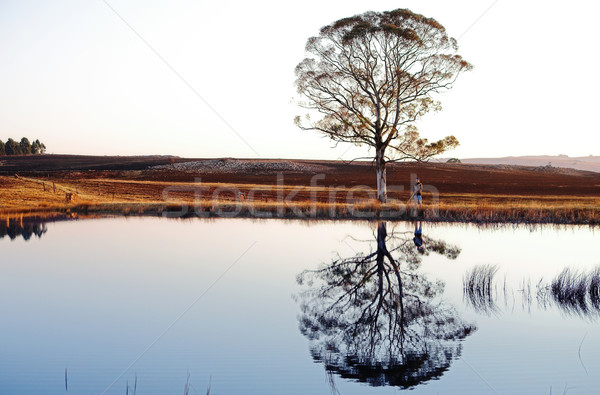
573, 292
26, 228
374, 318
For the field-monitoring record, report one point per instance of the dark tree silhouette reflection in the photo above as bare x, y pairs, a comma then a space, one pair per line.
374, 318
26, 228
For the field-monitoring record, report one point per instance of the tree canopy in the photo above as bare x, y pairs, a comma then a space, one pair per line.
369, 77
12, 147
24, 147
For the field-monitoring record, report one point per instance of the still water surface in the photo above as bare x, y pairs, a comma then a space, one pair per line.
287, 307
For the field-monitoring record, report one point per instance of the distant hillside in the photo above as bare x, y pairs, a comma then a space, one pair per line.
587, 163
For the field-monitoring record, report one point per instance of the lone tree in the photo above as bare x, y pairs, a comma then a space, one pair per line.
371, 76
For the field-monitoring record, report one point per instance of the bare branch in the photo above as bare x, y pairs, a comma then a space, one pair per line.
371, 76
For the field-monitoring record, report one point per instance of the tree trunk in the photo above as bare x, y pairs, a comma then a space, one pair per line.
381, 236
381, 176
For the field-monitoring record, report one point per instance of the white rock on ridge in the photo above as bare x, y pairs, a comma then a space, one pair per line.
233, 165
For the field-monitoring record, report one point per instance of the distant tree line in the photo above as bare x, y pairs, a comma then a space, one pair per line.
24, 147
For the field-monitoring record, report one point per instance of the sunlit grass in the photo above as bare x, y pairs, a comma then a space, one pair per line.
23, 195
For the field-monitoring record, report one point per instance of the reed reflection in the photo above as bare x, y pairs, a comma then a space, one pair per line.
26, 228
573, 292
375, 318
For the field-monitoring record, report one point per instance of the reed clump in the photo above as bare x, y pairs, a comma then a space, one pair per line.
478, 286
577, 292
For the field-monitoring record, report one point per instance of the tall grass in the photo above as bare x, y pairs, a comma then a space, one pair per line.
477, 288
576, 292
117, 197
542, 212
303, 209
594, 288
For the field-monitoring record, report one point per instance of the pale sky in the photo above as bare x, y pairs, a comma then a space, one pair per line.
74, 75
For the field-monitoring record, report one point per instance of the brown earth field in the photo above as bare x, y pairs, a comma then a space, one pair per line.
173, 186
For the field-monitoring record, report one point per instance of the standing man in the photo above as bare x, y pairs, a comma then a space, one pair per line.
417, 189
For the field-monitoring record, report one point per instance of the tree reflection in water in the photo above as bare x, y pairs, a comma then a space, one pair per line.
374, 318
25, 228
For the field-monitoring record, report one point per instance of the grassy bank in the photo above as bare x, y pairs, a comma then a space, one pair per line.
166, 193
445, 212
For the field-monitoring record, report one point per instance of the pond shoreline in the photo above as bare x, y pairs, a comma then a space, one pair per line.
59, 185
445, 214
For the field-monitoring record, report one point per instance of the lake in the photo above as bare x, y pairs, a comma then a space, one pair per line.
239, 306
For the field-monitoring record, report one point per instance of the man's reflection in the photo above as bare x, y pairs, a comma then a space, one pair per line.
374, 318
418, 239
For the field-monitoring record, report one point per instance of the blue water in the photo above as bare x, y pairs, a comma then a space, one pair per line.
216, 304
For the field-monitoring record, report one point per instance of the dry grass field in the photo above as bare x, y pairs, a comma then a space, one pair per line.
283, 188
